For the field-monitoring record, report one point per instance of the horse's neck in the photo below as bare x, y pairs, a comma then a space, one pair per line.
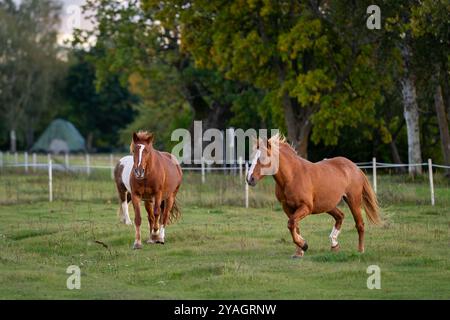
289, 162
153, 163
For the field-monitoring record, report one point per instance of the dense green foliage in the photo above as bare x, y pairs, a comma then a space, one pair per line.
309, 68
99, 114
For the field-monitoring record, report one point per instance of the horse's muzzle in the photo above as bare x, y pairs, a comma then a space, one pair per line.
139, 173
251, 181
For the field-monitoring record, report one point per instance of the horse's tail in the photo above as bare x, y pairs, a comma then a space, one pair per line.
369, 202
175, 212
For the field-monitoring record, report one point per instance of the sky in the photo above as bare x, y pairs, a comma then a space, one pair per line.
71, 17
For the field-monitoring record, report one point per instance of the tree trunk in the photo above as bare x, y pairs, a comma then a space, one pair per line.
443, 124
410, 111
90, 142
13, 141
396, 156
303, 139
30, 137
446, 89
214, 115
298, 124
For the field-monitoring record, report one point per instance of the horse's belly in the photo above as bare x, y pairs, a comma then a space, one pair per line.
326, 203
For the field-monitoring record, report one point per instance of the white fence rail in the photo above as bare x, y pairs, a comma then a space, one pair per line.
241, 166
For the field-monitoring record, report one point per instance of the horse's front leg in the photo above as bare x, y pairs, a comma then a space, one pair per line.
151, 218
137, 221
156, 235
294, 219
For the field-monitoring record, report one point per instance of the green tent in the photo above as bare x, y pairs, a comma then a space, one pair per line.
61, 136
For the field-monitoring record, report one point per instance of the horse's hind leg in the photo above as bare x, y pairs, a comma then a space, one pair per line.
168, 204
137, 221
125, 198
354, 203
338, 215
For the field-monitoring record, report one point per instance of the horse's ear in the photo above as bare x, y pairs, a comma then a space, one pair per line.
269, 147
150, 138
135, 137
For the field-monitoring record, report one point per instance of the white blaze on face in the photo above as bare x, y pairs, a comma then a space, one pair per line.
252, 167
141, 149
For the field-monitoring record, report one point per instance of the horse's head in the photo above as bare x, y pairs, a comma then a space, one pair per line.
141, 148
265, 160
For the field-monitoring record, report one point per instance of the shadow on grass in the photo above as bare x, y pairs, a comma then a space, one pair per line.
341, 257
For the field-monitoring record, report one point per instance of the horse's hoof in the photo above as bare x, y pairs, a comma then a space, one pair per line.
160, 242
150, 241
335, 248
128, 223
299, 253
305, 246
137, 246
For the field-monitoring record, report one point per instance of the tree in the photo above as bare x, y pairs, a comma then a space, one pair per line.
315, 75
398, 26
98, 114
430, 26
29, 65
141, 50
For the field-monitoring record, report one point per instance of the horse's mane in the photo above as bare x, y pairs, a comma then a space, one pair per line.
281, 140
143, 136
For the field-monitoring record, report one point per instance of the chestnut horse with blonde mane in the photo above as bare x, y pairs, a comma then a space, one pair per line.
154, 177
305, 188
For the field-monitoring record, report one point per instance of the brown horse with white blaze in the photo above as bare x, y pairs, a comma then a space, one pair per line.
151, 176
305, 188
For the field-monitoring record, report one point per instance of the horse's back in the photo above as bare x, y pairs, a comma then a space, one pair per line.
340, 165
172, 168
123, 171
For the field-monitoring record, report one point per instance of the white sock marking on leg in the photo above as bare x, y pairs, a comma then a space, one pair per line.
125, 213
333, 236
163, 233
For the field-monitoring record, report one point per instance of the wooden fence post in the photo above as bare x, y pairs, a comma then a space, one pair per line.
88, 164
34, 162
240, 168
67, 160
25, 161
50, 180
374, 175
246, 185
430, 173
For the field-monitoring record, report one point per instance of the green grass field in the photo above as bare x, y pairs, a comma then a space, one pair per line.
218, 250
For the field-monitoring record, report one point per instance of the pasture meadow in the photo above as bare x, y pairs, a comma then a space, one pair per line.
219, 249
